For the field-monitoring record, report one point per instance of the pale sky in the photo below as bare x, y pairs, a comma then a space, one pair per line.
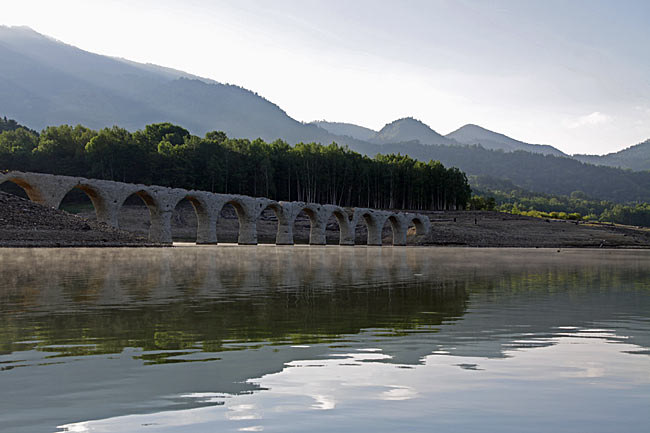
574, 74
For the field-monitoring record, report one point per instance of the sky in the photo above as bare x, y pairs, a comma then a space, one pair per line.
573, 74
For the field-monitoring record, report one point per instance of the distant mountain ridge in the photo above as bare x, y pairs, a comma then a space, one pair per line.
45, 82
346, 129
474, 134
409, 129
635, 157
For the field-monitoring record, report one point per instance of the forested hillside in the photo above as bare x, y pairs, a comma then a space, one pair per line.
635, 157
46, 82
536, 172
497, 194
168, 155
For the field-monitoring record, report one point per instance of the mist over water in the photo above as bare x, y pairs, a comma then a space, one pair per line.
228, 338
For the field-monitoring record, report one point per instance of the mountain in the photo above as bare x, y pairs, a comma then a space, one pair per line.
46, 82
635, 157
474, 134
409, 129
346, 129
12, 125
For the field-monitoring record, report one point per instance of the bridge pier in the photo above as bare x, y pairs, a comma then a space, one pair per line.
106, 200
161, 203
399, 226
247, 231
207, 207
346, 225
206, 230
160, 229
284, 235
283, 212
317, 232
248, 210
374, 223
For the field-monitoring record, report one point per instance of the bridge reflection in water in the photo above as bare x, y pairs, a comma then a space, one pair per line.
97, 333
108, 197
274, 292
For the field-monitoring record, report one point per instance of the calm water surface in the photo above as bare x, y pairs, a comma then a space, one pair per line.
218, 339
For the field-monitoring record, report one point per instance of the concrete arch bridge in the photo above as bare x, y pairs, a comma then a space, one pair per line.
108, 197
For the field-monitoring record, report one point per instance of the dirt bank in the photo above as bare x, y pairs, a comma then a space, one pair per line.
495, 229
25, 224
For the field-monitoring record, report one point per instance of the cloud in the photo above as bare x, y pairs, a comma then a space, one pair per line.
643, 109
595, 118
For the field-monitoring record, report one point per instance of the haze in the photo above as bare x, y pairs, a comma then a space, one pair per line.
571, 74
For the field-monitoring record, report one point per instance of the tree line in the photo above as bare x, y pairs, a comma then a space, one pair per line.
168, 155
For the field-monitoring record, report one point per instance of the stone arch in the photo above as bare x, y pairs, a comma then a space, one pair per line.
239, 207
275, 212
422, 225
100, 203
344, 222
44, 189
317, 220
246, 209
155, 223
31, 189
374, 222
398, 229
201, 212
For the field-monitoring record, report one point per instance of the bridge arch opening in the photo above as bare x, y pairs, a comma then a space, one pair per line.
184, 222
229, 222
268, 224
415, 231
135, 213
366, 225
335, 227
20, 188
303, 226
81, 200
390, 230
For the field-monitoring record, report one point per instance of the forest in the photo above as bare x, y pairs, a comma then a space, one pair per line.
168, 155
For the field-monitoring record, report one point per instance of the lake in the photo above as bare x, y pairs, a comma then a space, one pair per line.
324, 339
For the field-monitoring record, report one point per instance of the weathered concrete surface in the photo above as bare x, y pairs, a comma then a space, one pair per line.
109, 196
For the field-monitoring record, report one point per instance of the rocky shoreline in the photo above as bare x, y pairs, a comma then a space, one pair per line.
24, 223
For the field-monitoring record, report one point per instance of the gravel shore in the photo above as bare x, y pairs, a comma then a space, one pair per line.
24, 223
